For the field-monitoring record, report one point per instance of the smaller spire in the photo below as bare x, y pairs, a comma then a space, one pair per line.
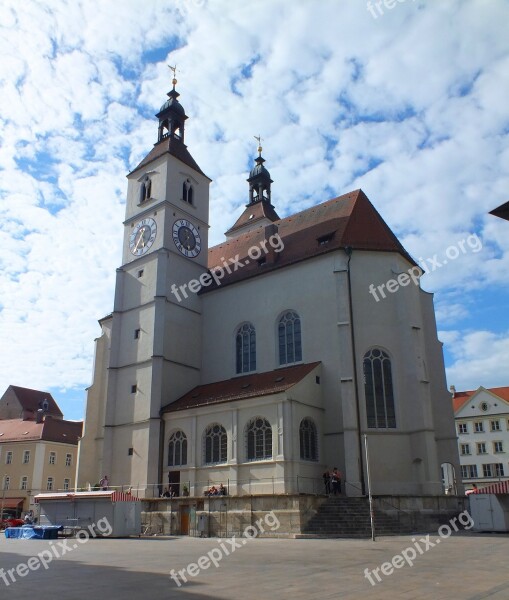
171, 115
259, 178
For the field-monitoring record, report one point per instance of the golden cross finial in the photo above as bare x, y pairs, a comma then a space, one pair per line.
258, 138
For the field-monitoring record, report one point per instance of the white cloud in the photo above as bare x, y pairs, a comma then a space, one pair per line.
480, 358
411, 107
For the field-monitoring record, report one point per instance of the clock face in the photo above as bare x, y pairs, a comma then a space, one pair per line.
142, 236
187, 238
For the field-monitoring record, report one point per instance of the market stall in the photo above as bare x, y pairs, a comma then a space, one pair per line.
102, 513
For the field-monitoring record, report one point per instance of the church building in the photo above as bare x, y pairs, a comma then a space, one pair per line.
261, 362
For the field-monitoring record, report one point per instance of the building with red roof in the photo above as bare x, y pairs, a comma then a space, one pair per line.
38, 447
263, 360
482, 425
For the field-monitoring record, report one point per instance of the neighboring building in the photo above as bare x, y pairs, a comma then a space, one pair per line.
482, 425
299, 343
38, 448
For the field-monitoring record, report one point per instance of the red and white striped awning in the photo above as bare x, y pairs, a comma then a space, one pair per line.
501, 487
111, 495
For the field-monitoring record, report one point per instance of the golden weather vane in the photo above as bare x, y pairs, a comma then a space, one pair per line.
258, 138
174, 70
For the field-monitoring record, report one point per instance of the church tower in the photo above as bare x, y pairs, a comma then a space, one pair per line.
259, 210
155, 349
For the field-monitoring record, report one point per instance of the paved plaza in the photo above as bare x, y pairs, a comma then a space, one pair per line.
461, 567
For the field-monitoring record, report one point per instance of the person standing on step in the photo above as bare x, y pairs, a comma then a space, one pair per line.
336, 481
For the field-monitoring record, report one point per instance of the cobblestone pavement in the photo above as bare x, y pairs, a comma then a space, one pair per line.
462, 567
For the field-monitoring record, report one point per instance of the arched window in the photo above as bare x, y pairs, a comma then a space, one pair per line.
378, 389
216, 444
259, 439
289, 337
187, 192
245, 344
177, 449
308, 440
145, 189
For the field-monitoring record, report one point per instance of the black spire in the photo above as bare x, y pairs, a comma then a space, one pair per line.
259, 179
171, 115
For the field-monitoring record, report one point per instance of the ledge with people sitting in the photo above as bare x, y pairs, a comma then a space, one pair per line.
216, 491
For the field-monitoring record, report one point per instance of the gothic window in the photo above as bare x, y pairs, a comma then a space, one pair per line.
379, 390
145, 189
289, 338
187, 192
215, 444
308, 440
259, 439
246, 348
177, 449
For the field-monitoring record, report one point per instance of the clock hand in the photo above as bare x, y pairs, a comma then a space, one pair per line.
140, 238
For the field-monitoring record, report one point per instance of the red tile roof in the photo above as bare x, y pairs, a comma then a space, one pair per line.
32, 400
349, 220
171, 146
51, 430
254, 213
461, 398
240, 388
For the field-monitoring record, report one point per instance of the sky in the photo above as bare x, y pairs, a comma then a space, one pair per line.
408, 101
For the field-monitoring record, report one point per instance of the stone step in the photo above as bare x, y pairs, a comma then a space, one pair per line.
350, 517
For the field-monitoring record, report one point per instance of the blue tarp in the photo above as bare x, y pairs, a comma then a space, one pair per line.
29, 532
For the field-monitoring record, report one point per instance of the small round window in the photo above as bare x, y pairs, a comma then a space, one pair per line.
484, 406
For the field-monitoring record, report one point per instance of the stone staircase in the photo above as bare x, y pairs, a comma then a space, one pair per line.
349, 517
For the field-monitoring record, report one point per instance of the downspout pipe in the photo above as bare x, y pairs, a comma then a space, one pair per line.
349, 251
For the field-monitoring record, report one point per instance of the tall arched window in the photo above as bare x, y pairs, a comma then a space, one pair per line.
378, 389
289, 337
145, 189
216, 444
245, 345
187, 192
177, 449
308, 440
259, 439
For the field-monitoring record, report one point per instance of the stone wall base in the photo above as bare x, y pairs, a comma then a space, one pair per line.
282, 515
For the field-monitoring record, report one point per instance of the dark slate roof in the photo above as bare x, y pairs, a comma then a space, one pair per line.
502, 211
349, 220
240, 388
172, 146
254, 213
51, 430
32, 400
